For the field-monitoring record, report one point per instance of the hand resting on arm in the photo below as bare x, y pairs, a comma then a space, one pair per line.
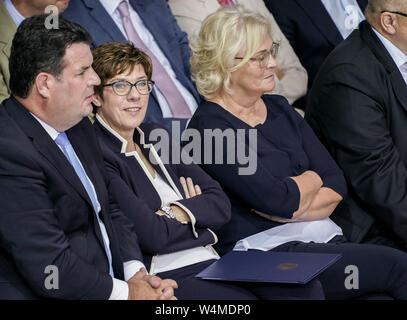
316, 202
191, 190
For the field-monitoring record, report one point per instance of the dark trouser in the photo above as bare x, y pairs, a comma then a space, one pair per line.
380, 235
16, 291
191, 288
381, 270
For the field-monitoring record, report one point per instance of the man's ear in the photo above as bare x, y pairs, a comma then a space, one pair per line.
43, 83
389, 22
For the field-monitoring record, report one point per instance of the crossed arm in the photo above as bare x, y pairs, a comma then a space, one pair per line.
312, 195
191, 190
316, 202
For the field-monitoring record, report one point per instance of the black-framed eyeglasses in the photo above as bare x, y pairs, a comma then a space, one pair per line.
123, 87
395, 12
264, 58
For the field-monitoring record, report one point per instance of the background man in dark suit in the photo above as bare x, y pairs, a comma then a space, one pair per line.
55, 212
312, 30
358, 107
159, 34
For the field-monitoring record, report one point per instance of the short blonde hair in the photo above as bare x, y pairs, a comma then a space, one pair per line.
223, 35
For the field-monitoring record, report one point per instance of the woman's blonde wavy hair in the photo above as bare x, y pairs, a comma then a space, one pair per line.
223, 35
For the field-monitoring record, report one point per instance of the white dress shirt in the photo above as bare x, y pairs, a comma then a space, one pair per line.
120, 289
15, 15
149, 41
346, 15
399, 57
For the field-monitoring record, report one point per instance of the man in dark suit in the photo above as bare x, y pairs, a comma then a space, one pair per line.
158, 30
59, 236
358, 107
311, 30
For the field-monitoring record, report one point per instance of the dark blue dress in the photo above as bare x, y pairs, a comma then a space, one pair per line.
285, 147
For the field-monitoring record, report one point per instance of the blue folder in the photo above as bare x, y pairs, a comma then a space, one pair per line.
268, 266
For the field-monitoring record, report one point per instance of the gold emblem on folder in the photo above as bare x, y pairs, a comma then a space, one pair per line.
287, 266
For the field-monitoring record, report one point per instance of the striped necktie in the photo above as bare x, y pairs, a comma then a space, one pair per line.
161, 77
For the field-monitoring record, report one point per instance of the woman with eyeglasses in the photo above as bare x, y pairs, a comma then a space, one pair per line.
174, 206
284, 202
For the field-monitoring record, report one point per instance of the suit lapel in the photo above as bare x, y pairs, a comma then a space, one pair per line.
7, 30
113, 143
321, 20
362, 4
384, 57
46, 146
81, 148
168, 174
146, 152
92, 170
153, 25
399, 87
165, 41
55, 156
75, 136
51, 152
6, 49
102, 18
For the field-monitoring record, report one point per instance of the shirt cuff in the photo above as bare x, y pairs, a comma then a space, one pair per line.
120, 290
131, 268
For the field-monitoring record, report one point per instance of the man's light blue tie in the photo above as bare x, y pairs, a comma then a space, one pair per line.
63, 141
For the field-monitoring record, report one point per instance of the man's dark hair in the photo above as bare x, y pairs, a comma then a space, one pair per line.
37, 49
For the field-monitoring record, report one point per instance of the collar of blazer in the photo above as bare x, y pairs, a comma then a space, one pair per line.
49, 150
362, 4
103, 20
44, 144
384, 57
117, 144
7, 30
318, 15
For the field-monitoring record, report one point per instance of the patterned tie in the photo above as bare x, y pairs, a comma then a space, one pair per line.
163, 81
225, 3
63, 142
